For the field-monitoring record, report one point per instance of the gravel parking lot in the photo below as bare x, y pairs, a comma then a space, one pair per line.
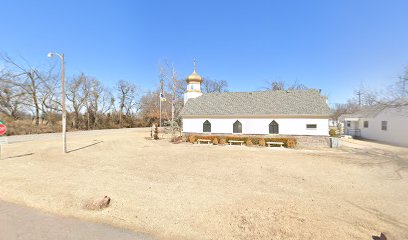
186, 191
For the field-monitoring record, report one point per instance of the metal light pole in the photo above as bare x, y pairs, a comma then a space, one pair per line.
160, 102
64, 112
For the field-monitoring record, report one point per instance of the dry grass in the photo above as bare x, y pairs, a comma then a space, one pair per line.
190, 191
21, 127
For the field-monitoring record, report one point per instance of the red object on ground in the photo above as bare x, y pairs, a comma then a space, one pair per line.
3, 129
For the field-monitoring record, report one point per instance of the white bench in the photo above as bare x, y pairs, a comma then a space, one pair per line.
235, 141
204, 140
275, 143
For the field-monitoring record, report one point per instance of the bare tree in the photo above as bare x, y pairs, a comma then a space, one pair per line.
31, 82
169, 75
149, 107
210, 86
95, 97
296, 85
49, 95
11, 99
281, 85
77, 96
346, 108
107, 101
399, 89
175, 89
32, 95
396, 96
127, 95
364, 96
85, 92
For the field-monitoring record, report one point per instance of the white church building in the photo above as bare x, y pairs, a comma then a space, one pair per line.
291, 112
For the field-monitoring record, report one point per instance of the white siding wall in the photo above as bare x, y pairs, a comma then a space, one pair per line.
287, 126
397, 127
194, 86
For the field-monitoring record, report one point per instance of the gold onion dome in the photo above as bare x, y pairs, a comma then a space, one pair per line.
194, 76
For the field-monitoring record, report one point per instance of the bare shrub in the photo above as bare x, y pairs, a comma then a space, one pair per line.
177, 140
192, 138
249, 142
156, 133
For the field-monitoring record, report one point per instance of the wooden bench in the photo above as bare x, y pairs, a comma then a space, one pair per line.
235, 141
275, 143
204, 140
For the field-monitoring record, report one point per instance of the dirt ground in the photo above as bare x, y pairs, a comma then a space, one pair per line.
186, 191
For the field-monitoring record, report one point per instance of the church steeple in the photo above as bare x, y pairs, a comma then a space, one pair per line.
194, 77
193, 84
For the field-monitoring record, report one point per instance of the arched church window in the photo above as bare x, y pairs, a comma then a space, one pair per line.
273, 127
237, 128
207, 126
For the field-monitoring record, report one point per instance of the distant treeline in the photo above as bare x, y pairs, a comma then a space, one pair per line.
30, 99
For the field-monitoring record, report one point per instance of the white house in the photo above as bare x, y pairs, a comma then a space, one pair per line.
385, 123
294, 112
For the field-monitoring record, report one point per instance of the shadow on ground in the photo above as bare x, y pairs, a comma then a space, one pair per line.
21, 155
87, 146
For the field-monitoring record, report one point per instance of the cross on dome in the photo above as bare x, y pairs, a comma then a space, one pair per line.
194, 77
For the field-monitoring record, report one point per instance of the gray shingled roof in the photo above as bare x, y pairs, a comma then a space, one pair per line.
366, 112
374, 110
293, 102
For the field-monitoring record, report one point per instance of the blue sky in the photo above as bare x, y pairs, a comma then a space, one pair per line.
333, 45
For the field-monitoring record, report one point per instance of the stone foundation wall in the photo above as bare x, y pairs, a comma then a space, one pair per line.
312, 142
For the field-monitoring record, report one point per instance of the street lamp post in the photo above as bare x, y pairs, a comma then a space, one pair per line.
64, 112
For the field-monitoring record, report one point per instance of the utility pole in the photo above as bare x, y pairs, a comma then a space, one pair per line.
359, 97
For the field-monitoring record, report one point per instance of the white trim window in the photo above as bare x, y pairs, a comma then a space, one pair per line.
311, 126
237, 127
207, 126
384, 125
273, 127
